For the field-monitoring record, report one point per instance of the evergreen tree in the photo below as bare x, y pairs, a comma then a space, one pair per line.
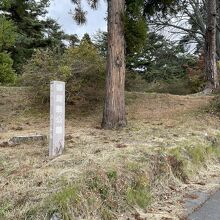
7, 41
33, 30
53, 34
86, 38
101, 42
135, 26
7, 34
159, 59
118, 20
72, 39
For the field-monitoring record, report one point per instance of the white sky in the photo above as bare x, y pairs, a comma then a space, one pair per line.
60, 11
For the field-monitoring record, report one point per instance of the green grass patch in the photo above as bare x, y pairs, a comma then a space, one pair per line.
62, 200
197, 154
139, 194
5, 207
103, 193
186, 160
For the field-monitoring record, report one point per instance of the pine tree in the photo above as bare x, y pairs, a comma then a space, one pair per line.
7, 34
7, 41
33, 31
72, 39
54, 35
86, 38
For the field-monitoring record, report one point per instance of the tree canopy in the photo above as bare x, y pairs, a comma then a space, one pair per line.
33, 29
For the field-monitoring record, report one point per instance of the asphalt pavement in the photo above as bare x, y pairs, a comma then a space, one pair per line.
209, 211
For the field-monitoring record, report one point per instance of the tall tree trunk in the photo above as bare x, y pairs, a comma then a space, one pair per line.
218, 30
114, 108
210, 46
218, 44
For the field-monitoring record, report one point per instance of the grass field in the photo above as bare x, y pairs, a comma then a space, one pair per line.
146, 171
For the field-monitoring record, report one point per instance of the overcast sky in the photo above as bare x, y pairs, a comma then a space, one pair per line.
60, 11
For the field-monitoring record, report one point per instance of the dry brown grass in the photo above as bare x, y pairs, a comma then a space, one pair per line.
157, 122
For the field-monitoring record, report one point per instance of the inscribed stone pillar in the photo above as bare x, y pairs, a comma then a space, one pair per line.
57, 118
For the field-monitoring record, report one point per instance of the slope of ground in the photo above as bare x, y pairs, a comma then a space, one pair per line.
158, 123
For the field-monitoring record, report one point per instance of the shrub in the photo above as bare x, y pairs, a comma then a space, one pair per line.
40, 70
176, 87
87, 71
196, 74
135, 82
82, 68
7, 74
215, 105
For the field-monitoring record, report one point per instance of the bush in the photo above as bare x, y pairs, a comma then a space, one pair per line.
196, 74
7, 74
82, 68
175, 87
184, 78
214, 107
135, 82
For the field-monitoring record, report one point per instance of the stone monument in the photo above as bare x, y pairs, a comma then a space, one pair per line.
57, 118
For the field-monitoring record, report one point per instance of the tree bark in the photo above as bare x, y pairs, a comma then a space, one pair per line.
218, 30
218, 44
210, 46
114, 107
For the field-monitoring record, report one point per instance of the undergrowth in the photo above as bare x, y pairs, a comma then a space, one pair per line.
107, 192
102, 194
185, 161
